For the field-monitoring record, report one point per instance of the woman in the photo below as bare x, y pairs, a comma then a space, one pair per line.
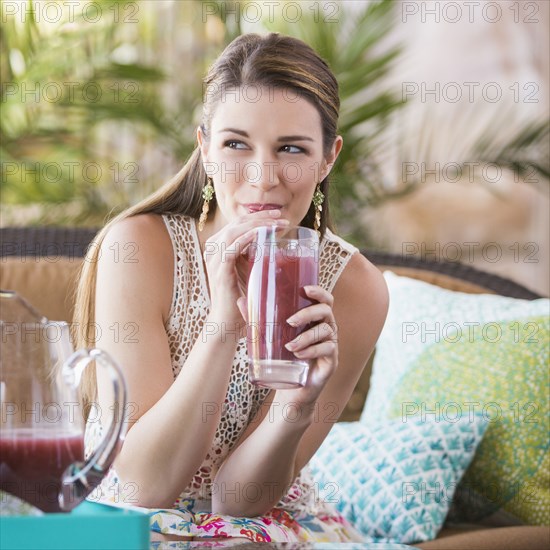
209, 453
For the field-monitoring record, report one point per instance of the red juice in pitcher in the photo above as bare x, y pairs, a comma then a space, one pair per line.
32, 463
279, 270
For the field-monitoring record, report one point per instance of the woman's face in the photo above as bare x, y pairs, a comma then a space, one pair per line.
265, 151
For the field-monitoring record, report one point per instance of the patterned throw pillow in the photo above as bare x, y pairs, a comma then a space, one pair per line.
395, 481
446, 355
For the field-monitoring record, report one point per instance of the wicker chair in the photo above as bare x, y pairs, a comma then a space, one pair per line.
56, 242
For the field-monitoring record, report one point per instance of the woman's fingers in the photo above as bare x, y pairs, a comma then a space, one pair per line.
232, 241
319, 342
321, 314
323, 332
239, 245
318, 293
247, 222
311, 314
321, 349
249, 228
227, 263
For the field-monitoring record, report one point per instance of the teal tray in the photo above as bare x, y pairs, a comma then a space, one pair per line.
90, 526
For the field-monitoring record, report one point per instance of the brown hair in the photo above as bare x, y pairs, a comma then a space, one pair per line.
272, 61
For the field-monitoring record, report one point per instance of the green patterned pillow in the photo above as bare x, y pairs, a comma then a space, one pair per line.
447, 355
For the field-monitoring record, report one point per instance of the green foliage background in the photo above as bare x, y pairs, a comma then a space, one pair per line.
117, 92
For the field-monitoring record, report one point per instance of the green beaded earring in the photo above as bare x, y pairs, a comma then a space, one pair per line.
318, 198
207, 194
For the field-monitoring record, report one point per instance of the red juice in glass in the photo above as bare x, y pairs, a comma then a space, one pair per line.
32, 463
282, 261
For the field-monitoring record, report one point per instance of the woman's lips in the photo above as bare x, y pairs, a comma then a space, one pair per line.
257, 207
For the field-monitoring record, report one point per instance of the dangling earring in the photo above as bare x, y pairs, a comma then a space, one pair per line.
207, 194
318, 198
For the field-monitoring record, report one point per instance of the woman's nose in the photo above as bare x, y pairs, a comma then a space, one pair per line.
264, 173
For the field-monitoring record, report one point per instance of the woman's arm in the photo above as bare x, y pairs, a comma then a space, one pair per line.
169, 434
173, 422
290, 429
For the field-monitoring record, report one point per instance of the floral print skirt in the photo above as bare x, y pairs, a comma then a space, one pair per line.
191, 517
276, 526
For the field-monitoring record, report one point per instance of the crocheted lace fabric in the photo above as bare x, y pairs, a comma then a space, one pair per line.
190, 307
188, 313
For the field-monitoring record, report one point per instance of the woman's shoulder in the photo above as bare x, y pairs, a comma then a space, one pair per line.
136, 259
361, 285
138, 245
143, 232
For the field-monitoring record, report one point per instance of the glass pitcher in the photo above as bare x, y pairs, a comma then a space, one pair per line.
41, 423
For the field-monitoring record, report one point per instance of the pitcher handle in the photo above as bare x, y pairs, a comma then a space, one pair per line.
81, 478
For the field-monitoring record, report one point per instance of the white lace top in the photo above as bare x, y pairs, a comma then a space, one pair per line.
188, 312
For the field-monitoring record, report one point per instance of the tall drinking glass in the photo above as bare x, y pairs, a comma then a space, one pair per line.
282, 260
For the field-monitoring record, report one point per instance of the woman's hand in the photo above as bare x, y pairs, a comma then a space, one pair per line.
319, 343
223, 256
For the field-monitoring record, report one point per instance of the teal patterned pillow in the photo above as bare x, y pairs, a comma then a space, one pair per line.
395, 481
444, 355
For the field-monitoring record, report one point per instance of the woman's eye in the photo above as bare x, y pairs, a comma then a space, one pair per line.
292, 149
234, 144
